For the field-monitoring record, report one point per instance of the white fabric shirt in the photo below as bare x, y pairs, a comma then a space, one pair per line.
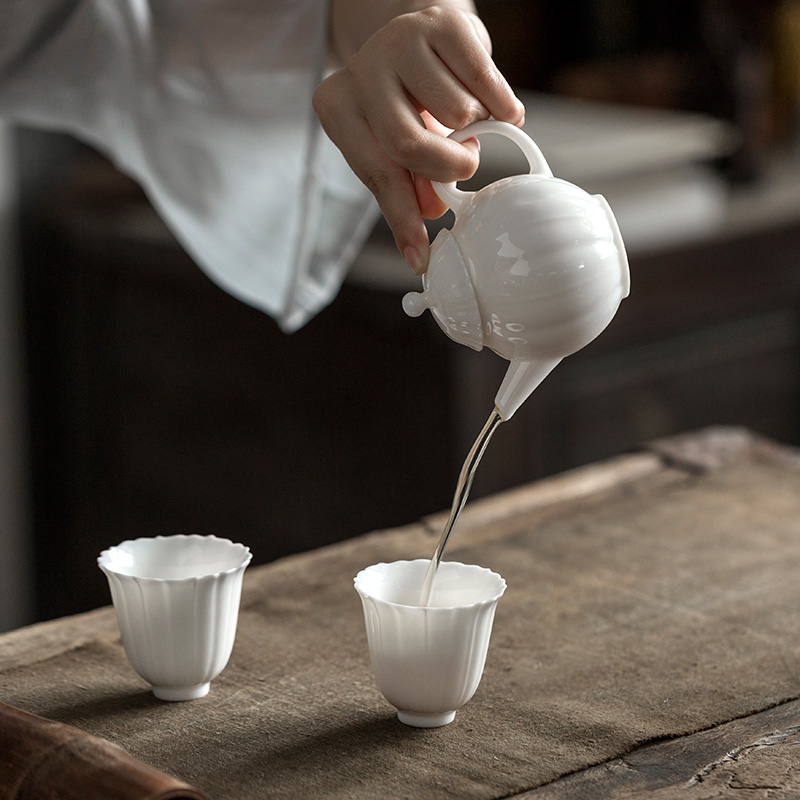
207, 104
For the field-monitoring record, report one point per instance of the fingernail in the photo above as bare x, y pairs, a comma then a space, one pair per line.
412, 256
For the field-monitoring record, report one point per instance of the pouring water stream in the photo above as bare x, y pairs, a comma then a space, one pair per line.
463, 486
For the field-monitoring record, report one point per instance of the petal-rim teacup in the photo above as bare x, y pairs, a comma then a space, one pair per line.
428, 660
177, 604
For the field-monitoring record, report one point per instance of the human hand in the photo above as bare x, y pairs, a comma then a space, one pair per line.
390, 108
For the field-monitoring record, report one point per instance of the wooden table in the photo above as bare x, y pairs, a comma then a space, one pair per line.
649, 642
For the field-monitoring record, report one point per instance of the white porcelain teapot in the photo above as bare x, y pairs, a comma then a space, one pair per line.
534, 268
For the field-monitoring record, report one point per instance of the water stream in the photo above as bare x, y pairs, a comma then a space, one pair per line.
463, 486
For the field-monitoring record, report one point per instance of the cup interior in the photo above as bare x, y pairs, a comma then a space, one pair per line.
457, 585
174, 557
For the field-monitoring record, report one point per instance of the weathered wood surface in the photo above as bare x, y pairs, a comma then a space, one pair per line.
648, 645
757, 757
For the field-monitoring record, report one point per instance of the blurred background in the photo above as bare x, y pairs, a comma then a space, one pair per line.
138, 399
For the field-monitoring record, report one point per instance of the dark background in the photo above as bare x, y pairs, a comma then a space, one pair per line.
158, 404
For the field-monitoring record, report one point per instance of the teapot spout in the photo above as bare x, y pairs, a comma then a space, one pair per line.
522, 377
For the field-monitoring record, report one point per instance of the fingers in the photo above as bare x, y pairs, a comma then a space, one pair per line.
460, 42
430, 206
390, 183
392, 102
436, 61
480, 30
390, 108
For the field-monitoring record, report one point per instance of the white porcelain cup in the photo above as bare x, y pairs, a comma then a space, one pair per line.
428, 660
177, 603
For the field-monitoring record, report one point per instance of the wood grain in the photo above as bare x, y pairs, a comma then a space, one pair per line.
754, 757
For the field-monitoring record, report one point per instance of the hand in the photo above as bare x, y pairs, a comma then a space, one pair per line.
390, 108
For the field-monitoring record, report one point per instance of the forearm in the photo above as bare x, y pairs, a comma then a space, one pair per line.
352, 22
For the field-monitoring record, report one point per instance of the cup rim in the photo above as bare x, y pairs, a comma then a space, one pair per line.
103, 560
486, 601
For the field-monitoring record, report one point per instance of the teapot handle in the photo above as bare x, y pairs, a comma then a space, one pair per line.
456, 198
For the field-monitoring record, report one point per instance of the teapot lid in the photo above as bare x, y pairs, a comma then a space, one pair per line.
448, 292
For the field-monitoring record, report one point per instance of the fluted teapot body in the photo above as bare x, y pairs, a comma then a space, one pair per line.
533, 268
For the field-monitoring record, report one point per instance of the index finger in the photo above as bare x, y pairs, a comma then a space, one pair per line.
462, 49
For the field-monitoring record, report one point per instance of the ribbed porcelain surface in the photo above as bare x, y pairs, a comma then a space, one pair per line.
428, 660
549, 271
534, 268
177, 604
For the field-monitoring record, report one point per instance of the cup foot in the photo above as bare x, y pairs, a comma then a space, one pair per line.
426, 720
177, 693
